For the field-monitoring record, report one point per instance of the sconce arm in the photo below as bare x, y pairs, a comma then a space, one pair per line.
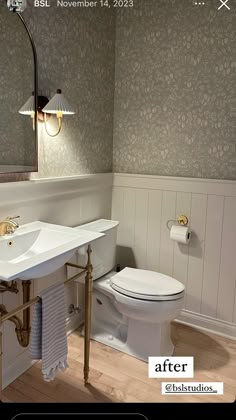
59, 126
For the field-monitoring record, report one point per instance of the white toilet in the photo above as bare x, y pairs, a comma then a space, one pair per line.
132, 309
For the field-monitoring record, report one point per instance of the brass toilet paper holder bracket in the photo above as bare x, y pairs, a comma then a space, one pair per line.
181, 220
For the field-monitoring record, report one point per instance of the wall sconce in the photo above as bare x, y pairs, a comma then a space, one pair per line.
57, 105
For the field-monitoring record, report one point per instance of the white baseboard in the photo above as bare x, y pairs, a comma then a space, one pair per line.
15, 369
206, 323
73, 323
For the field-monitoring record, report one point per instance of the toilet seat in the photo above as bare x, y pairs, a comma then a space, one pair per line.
147, 285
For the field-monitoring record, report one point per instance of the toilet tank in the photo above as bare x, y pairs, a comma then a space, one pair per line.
103, 249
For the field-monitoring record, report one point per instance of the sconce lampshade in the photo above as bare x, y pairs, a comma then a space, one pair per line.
29, 107
58, 105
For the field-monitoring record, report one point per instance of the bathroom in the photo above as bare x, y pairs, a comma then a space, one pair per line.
152, 139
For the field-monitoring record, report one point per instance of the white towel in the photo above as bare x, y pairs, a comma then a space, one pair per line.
48, 337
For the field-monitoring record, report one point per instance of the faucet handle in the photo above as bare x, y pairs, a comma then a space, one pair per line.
12, 217
10, 229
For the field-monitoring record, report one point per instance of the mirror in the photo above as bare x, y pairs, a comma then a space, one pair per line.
18, 79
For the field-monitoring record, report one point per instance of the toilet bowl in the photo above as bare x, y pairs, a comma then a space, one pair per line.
132, 309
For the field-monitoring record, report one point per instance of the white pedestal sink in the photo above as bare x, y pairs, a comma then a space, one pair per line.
37, 249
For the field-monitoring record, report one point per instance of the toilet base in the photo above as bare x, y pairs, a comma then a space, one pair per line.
145, 339
136, 338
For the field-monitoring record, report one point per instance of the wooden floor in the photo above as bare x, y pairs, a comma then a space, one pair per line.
117, 377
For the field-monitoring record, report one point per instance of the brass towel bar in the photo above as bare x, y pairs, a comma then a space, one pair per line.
23, 329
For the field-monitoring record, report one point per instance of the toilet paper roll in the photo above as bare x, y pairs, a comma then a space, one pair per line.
180, 234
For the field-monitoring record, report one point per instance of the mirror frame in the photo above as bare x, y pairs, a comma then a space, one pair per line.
35, 84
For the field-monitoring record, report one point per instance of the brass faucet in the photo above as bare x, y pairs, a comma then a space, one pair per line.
8, 225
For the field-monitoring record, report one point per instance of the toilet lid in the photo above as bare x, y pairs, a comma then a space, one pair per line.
147, 285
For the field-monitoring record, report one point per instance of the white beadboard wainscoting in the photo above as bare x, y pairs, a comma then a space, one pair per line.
207, 266
66, 201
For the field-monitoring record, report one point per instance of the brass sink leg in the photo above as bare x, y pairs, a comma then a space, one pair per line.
0, 364
25, 333
88, 309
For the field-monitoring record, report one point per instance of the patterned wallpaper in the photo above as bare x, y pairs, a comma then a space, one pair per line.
16, 84
175, 98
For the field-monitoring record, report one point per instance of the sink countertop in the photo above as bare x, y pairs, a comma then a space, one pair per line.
37, 249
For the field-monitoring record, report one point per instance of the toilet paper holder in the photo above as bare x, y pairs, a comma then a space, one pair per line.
181, 220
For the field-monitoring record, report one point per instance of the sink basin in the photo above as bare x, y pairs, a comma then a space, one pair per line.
37, 249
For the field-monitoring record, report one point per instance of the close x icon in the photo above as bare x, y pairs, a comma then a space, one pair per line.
224, 4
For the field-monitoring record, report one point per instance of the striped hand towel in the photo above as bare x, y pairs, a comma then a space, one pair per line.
48, 337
